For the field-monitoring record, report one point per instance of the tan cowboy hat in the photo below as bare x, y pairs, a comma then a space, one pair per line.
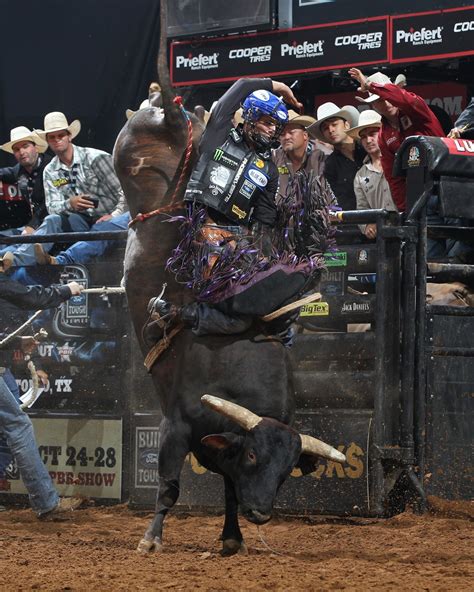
378, 78
23, 134
330, 111
367, 118
56, 121
6, 261
238, 118
303, 120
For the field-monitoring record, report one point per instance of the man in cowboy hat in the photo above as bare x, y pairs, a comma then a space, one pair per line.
341, 166
29, 150
370, 186
15, 423
298, 151
403, 114
80, 185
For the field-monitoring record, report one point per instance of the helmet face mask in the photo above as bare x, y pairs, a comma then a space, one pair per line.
262, 103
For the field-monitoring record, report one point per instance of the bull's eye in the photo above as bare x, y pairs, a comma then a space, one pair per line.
251, 456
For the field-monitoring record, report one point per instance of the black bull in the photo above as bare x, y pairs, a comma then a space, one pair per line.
250, 442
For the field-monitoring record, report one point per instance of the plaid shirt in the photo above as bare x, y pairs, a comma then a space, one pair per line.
91, 173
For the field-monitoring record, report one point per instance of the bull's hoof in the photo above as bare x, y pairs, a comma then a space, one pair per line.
231, 547
147, 546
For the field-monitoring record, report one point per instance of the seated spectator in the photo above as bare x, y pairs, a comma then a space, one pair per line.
370, 186
298, 151
340, 166
85, 251
464, 126
80, 185
403, 114
28, 149
15, 423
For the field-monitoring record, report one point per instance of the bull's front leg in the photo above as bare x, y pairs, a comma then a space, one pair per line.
173, 449
232, 540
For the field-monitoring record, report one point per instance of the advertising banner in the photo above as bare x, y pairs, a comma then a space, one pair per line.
322, 47
427, 35
83, 456
449, 96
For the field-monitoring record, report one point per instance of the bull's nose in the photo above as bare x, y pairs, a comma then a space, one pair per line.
256, 516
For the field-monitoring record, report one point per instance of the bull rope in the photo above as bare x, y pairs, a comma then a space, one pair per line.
104, 290
189, 148
21, 328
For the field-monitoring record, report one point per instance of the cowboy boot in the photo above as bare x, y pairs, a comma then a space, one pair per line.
42, 257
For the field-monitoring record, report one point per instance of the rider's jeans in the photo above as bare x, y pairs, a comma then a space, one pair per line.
18, 429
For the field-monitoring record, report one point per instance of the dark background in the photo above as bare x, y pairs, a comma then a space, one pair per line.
91, 59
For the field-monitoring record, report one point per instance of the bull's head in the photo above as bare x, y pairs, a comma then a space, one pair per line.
259, 462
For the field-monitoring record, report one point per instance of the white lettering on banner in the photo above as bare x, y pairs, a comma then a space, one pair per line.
200, 62
363, 41
422, 37
263, 53
452, 105
464, 145
303, 50
462, 27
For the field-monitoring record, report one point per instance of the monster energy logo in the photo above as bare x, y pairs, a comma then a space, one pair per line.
220, 155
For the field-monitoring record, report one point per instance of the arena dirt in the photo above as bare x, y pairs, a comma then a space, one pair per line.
94, 550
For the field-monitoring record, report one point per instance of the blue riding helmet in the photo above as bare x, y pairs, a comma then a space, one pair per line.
262, 103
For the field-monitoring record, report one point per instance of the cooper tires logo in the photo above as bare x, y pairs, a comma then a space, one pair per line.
463, 27
363, 41
263, 53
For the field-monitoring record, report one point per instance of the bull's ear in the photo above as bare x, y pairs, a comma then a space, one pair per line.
220, 441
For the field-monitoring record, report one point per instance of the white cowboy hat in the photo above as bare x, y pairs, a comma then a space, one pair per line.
330, 111
56, 121
23, 134
367, 118
378, 78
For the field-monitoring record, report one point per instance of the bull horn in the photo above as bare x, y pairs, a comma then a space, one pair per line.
242, 416
315, 447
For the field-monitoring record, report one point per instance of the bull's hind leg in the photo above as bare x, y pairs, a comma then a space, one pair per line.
232, 540
173, 449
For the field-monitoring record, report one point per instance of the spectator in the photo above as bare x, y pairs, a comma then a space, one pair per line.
464, 123
341, 166
14, 423
80, 186
28, 149
370, 186
298, 151
85, 251
403, 114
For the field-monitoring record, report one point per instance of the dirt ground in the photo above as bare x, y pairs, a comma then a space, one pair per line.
95, 550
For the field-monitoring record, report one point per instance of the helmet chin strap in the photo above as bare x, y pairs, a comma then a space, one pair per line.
262, 142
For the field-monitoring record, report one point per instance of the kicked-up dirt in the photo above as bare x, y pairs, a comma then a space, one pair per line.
94, 550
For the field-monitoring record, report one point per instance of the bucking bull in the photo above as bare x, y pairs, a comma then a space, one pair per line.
242, 429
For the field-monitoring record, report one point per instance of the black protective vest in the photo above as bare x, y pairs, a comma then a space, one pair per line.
230, 180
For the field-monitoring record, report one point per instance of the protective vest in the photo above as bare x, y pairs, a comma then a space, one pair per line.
230, 180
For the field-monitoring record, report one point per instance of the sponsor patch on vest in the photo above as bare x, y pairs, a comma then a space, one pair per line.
238, 212
259, 163
247, 189
257, 177
225, 158
219, 176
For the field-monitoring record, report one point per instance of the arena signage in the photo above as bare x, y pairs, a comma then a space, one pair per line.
427, 35
83, 456
294, 51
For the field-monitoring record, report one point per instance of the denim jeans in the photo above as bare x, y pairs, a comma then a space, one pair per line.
25, 253
84, 251
17, 427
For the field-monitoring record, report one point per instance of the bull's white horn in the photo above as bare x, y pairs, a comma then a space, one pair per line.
315, 447
242, 416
